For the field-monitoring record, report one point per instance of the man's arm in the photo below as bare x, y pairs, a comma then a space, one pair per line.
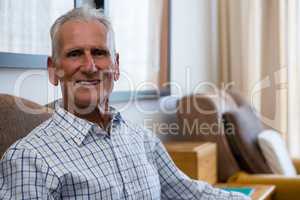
176, 185
23, 175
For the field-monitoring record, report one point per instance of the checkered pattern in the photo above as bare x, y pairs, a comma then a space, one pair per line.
69, 158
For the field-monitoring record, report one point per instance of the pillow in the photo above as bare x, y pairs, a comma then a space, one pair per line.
242, 127
275, 151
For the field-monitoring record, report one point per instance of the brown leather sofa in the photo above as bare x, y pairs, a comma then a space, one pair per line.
200, 119
228, 120
17, 118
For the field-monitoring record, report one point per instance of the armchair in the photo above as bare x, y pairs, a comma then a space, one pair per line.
200, 119
247, 164
287, 188
15, 121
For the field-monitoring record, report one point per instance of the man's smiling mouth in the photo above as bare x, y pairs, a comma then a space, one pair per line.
87, 82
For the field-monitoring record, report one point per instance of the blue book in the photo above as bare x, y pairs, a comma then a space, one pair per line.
245, 190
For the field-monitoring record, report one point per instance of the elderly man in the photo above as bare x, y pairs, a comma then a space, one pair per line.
86, 150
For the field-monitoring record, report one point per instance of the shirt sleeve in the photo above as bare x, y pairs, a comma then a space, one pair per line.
176, 185
23, 175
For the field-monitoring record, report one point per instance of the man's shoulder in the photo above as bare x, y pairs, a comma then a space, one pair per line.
37, 137
140, 130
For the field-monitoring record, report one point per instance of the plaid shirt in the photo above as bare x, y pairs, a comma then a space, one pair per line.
70, 158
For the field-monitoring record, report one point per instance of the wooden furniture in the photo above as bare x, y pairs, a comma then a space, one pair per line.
198, 160
261, 192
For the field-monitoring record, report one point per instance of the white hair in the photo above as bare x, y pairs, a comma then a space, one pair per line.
82, 14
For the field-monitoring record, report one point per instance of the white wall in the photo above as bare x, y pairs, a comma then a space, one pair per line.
193, 54
30, 84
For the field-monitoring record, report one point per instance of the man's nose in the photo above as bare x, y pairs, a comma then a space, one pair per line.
88, 64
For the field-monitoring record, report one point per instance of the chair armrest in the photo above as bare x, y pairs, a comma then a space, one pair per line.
296, 162
286, 187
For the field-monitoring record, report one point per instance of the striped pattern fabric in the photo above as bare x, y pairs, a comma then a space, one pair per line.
70, 158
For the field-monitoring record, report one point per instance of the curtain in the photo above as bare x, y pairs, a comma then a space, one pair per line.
293, 77
253, 56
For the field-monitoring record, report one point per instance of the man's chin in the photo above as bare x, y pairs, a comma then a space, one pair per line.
83, 105
86, 102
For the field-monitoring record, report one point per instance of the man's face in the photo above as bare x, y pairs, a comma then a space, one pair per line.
84, 66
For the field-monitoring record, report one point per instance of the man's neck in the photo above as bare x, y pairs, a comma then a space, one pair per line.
96, 116
100, 115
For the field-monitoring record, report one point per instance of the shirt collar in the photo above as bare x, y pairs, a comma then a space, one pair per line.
78, 128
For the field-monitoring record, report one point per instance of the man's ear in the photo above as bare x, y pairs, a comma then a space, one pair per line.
52, 71
117, 68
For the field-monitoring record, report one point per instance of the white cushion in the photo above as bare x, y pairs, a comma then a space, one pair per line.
275, 152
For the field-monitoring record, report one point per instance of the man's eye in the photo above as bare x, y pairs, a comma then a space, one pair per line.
100, 52
75, 53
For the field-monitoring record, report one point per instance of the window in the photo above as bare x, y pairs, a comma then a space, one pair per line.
138, 28
25, 24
